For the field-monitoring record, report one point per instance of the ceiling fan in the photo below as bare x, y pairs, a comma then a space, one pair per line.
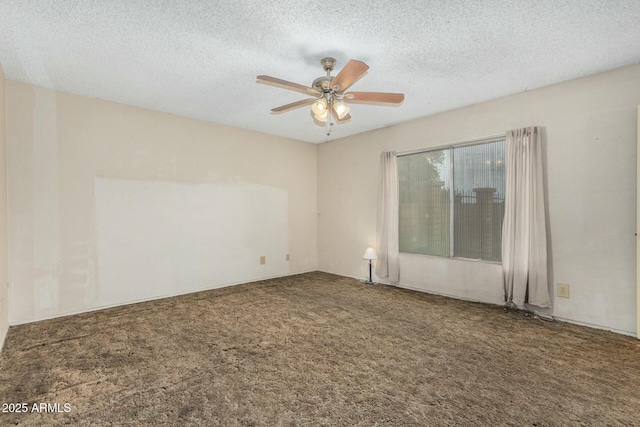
329, 94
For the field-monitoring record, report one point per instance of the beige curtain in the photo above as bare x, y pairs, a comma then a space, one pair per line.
387, 230
524, 238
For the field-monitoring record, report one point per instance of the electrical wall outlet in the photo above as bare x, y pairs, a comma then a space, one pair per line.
263, 260
286, 257
562, 290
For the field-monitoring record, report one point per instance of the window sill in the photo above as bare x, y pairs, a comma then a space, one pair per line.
480, 261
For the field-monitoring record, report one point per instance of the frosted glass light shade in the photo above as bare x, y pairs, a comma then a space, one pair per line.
370, 253
341, 110
321, 116
319, 107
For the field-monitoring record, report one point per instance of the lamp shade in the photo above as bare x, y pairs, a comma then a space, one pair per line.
370, 253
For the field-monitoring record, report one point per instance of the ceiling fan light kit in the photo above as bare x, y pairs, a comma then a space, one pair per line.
329, 93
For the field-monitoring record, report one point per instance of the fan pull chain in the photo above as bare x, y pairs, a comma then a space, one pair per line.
330, 116
329, 104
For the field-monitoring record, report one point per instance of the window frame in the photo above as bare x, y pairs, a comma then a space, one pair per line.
451, 147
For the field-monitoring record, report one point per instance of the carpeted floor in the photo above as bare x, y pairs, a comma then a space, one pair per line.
317, 350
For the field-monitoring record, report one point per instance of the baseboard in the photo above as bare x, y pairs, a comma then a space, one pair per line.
412, 288
593, 326
3, 339
104, 307
361, 279
442, 294
545, 315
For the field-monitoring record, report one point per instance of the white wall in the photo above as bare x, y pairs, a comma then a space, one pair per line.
590, 128
4, 291
110, 204
154, 238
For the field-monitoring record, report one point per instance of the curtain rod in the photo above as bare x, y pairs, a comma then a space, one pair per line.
450, 144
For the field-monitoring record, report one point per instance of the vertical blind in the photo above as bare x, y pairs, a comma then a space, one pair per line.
452, 201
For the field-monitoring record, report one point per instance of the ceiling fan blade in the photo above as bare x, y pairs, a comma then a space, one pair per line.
335, 115
284, 84
349, 75
374, 97
293, 105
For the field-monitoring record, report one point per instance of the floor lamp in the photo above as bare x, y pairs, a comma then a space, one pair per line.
370, 254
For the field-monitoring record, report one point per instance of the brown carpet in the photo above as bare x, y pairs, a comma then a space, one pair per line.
318, 349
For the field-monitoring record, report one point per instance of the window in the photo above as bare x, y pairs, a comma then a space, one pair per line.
460, 185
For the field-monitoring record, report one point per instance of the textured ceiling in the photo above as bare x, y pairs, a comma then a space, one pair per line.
200, 59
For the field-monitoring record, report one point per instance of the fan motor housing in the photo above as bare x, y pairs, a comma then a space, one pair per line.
322, 83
